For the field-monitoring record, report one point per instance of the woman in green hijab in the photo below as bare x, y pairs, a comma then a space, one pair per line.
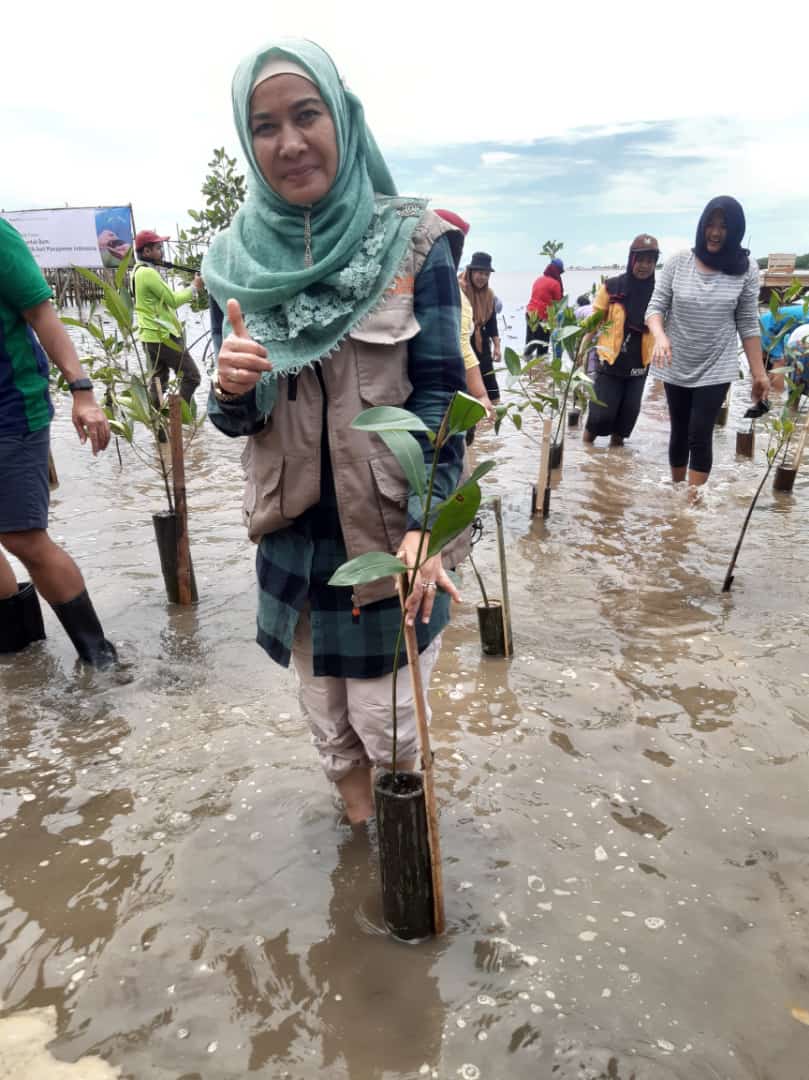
339, 295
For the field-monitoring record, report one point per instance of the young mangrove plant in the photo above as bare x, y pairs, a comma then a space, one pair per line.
129, 397
406, 810
439, 524
558, 379
780, 428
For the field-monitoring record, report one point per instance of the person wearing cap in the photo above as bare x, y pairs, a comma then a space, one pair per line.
474, 282
338, 296
704, 301
775, 329
156, 313
474, 379
624, 345
31, 333
546, 290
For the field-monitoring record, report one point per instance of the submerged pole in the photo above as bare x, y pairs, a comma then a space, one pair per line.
508, 642
186, 589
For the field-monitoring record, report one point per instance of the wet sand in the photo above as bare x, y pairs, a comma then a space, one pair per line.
623, 802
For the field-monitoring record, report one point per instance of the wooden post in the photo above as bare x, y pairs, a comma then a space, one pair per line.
497, 505
544, 470
412, 648
77, 280
185, 588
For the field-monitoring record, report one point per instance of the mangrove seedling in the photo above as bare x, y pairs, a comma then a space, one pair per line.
567, 336
780, 428
129, 397
443, 523
476, 536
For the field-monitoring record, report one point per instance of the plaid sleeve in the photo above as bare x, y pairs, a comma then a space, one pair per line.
238, 417
436, 368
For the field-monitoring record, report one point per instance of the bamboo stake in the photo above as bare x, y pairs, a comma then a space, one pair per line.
411, 645
184, 583
544, 470
497, 505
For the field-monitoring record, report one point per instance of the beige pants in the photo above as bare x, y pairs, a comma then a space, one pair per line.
351, 720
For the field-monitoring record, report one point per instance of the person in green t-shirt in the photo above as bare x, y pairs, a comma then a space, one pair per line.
30, 332
156, 313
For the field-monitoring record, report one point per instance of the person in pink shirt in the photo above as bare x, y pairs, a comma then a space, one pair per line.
546, 290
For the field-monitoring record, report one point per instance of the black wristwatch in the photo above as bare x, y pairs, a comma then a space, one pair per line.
79, 384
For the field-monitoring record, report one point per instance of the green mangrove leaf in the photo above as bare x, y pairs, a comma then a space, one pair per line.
408, 453
539, 401
388, 418
90, 327
516, 420
464, 412
369, 567
120, 272
113, 302
512, 361
458, 511
122, 429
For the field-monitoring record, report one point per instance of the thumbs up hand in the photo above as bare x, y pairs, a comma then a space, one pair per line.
241, 360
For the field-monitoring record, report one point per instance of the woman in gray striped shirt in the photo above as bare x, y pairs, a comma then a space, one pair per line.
705, 298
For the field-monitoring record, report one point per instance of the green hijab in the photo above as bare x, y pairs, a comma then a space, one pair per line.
360, 231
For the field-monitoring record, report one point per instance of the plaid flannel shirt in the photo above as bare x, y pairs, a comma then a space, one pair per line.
293, 565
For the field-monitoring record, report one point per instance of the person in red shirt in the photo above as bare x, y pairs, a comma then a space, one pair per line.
547, 290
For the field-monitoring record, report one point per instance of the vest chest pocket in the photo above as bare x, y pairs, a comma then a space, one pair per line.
392, 492
277, 490
261, 503
380, 345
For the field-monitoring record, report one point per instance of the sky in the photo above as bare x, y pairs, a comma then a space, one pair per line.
581, 123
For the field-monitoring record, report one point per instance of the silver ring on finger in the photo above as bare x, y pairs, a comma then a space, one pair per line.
430, 585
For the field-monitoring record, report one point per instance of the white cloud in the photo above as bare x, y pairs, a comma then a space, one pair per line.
498, 157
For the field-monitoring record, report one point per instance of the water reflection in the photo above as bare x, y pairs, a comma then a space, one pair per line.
343, 991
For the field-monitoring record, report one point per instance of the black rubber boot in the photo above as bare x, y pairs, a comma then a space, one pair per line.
20, 619
81, 624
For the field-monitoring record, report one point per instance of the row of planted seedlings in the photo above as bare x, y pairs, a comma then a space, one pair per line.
134, 402
545, 385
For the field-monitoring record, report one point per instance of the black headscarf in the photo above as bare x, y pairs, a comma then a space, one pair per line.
633, 294
733, 258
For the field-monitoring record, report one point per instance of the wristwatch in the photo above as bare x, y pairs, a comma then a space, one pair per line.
224, 395
79, 384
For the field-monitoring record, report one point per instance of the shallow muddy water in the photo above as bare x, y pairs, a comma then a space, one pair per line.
623, 803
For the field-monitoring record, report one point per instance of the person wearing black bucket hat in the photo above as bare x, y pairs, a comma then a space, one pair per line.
704, 300
624, 345
474, 282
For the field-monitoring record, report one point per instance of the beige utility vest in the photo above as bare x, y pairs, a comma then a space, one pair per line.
282, 462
